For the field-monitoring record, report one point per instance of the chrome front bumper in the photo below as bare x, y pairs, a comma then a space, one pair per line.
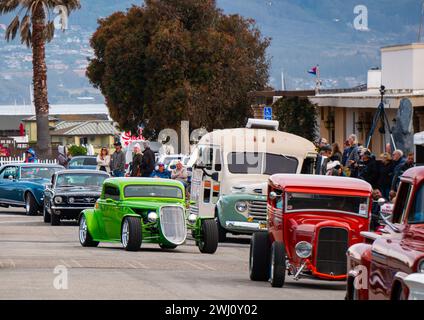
246, 226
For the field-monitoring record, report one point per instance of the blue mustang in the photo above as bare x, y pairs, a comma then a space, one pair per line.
23, 185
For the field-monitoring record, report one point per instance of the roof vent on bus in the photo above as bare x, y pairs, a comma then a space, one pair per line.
262, 124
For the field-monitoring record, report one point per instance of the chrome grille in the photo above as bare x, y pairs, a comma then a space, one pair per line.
173, 224
194, 209
331, 251
257, 210
85, 200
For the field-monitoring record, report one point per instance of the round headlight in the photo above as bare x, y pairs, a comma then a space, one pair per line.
241, 206
303, 249
192, 218
421, 266
71, 200
58, 200
152, 217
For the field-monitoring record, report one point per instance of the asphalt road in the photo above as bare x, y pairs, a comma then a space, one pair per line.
31, 250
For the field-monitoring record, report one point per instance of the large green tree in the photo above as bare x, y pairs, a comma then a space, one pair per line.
297, 115
35, 23
173, 60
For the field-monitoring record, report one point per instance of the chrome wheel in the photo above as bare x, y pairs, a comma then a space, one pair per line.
271, 277
83, 230
125, 233
27, 205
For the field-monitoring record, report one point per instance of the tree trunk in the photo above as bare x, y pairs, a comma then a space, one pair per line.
40, 83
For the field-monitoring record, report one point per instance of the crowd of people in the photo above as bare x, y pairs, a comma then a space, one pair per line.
382, 172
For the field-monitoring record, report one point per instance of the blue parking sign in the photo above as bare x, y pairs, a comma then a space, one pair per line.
268, 113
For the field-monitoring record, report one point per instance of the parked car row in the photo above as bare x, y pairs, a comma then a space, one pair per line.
127, 210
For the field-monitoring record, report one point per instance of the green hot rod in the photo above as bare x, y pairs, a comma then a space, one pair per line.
136, 210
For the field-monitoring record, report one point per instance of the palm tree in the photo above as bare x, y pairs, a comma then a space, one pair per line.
36, 28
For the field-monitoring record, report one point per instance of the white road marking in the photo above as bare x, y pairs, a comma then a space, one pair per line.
12, 263
140, 265
205, 266
65, 264
77, 263
194, 265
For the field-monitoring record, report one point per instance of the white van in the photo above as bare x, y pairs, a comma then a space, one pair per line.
232, 169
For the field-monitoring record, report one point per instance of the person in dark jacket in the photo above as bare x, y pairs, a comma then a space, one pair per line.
161, 172
368, 169
337, 154
136, 163
385, 175
148, 161
399, 161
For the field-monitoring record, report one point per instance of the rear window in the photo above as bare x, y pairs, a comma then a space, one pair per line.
90, 162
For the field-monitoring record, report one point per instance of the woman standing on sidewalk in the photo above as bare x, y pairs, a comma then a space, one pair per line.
103, 160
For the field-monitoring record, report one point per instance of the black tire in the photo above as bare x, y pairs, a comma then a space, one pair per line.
222, 232
31, 205
86, 240
46, 215
209, 242
54, 219
259, 257
133, 234
167, 247
277, 265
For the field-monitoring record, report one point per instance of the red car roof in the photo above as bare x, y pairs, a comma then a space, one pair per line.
284, 181
414, 175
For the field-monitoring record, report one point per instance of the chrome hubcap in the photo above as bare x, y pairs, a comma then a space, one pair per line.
125, 234
27, 204
271, 277
83, 230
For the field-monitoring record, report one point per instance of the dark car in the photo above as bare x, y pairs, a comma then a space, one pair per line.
70, 192
83, 162
22, 185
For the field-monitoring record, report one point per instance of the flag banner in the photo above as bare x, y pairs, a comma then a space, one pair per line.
313, 71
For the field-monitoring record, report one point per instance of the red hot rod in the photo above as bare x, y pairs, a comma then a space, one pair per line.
311, 222
379, 267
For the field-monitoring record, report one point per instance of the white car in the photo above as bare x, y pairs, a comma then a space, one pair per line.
415, 284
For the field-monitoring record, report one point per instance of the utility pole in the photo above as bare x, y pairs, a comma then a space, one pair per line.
420, 31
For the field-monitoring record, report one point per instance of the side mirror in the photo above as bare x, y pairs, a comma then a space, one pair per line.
215, 176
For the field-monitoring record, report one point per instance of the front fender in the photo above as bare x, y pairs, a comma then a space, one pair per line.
92, 223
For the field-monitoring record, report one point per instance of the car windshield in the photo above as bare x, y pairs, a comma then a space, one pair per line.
79, 162
318, 202
416, 216
260, 163
38, 172
80, 180
152, 191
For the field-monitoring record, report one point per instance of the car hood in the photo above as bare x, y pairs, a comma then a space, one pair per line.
37, 181
152, 205
304, 226
250, 187
79, 190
